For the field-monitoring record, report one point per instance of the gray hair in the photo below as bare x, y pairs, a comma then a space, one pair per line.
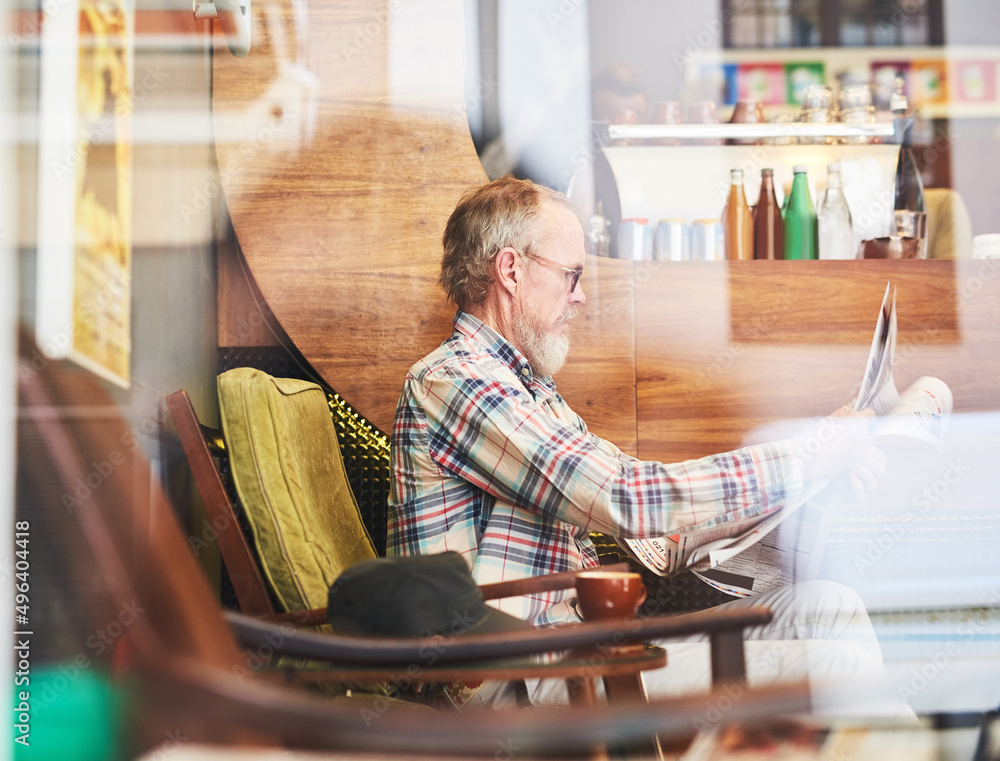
487, 219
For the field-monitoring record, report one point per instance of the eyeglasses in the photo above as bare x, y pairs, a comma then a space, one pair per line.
572, 274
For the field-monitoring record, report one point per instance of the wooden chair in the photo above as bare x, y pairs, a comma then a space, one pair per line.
178, 664
242, 559
305, 527
208, 457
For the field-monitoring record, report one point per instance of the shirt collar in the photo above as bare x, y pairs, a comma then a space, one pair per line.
478, 331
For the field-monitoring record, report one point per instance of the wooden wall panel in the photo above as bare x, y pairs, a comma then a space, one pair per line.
343, 145
244, 317
724, 347
341, 225
599, 380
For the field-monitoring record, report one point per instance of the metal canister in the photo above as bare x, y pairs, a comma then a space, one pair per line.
672, 241
912, 224
707, 240
635, 239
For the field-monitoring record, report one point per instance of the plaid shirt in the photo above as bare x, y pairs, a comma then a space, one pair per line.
489, 461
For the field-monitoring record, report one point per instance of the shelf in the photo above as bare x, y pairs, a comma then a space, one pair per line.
960, 110
748, 131
692, 181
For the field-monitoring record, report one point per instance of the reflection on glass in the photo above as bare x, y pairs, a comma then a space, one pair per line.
921, 550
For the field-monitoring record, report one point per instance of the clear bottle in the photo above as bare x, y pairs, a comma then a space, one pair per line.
898, 102
800, 218
737, 220
834, 226
598, 236
768, 224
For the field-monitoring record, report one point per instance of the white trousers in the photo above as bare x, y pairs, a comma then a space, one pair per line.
820, 632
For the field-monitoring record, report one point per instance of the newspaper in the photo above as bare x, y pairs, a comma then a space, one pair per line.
878, 390
918, 412
749, 556
753, 555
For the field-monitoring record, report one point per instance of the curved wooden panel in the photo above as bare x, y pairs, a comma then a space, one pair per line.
343, 145
339, 185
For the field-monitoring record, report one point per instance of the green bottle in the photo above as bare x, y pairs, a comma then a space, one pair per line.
800, 219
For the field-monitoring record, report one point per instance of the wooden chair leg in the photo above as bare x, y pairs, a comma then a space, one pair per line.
620, 689
583, 692
728, 662
629, 688
626, 688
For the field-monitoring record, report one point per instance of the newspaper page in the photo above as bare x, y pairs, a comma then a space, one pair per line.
791, 552
754, 555
747, 556
917, 413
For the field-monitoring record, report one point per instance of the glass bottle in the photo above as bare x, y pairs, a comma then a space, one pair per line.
768, 224
737, 220
800, 218
834, 226
909, 187
598, 237
898, 102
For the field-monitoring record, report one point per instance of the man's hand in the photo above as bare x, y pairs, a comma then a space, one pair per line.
840, 444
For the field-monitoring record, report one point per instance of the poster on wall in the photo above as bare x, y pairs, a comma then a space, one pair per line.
929, 80
975, 81
799, 75
762, 82
885, 77
84, 263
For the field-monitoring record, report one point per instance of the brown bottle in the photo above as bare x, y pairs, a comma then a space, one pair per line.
737, 220
768, 225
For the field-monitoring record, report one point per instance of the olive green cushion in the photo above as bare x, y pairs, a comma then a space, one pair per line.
289, 475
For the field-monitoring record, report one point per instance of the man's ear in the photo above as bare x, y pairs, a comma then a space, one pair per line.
506, 269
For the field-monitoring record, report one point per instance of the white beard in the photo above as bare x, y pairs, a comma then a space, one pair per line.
545, 352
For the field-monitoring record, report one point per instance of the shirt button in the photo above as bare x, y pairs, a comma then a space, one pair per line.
525, 372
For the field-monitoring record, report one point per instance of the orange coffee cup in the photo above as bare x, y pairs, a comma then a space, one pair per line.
609, 594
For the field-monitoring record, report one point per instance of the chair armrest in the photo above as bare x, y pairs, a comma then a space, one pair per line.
304, 618
284, 639
545, 583
494, 591
296, 719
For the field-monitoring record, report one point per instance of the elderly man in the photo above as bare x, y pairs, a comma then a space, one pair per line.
489, 461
